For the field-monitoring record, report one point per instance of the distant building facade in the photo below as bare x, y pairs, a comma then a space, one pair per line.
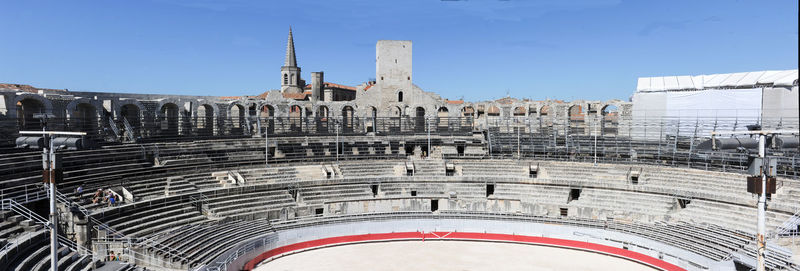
391, 95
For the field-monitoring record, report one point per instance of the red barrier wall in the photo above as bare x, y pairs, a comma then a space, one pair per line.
613, 251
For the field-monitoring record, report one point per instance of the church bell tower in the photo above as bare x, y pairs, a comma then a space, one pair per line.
290, 72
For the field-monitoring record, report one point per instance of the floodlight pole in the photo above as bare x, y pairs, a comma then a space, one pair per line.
762, 204
266, 145
49, 165
762, 198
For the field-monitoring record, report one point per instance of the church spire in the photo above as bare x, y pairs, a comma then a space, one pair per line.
291, 60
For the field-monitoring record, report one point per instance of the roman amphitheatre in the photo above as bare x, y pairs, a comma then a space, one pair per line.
387, 176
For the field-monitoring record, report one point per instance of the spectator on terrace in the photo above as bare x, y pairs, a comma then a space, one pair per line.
111, 201
97, 195
112, 257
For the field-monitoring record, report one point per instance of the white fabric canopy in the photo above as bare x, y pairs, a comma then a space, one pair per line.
717, 81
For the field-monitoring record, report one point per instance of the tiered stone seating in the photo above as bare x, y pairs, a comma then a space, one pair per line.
252, 202
429, 168
492, 168
372, 168
203, 242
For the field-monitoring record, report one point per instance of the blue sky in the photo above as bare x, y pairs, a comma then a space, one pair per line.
475, 49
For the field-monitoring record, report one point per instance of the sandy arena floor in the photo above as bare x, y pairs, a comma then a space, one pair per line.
448, 255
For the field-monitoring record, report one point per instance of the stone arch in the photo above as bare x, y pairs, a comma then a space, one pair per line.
169, 117
266, 110
84, 116
295, 115
395, 111
72, 105
575, 113
443, 112
322, 115
348, 118
204, 119
237, 113
199, 103
520, 111
545, 111
177, 102
419, 119
610, 110
493, 111
27, 104
131, 109
443, 118
296, 111
467, 111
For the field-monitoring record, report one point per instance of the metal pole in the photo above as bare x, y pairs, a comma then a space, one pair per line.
519, 156
762, 203
428, 155
51, 164
337, 139
595, 143
266, 145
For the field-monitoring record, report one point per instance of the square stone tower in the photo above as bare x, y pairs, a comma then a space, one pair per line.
393, 64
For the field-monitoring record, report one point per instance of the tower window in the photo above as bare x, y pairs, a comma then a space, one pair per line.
399, 96
381, 78
285, 79
395, 61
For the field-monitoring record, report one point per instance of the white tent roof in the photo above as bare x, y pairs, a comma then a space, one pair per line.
717, 81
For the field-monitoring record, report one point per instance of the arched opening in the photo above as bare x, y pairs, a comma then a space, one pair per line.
493, 111
84, 118
348, 119
130, 113
400, 96
545, 121
610, 111
519, 111
396, 111
610, 120
169, 120
419, 120
322, 119
443, 120
576, 113
285, 79
545, 111
296, 118
267, 116
373, 119
266, 112
26, 108
237, 117
576, 117
205, 120
467, 114
395, 114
